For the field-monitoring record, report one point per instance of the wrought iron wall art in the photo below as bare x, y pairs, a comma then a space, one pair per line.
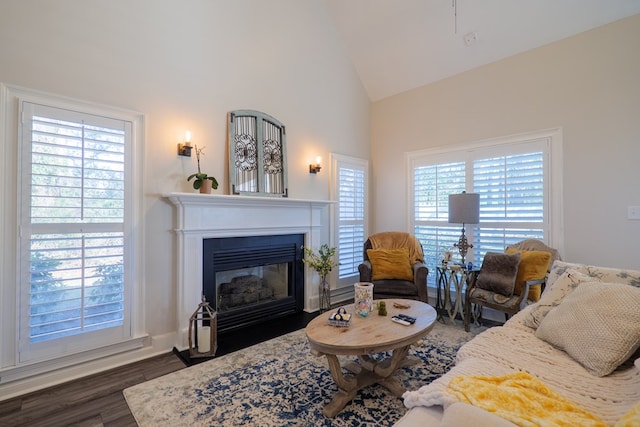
257, 154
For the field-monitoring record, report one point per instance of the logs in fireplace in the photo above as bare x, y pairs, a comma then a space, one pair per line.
244, 290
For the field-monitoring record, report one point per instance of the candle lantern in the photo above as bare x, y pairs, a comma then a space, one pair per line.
203, 331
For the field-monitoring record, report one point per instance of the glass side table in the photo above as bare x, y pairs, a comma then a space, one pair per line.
459, 277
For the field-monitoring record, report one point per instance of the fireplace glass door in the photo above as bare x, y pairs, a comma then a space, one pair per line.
254, 278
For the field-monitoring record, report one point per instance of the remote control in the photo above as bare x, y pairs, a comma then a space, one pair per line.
407, 318
402, 322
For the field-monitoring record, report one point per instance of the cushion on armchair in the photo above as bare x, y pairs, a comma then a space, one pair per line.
498, 273
533, 266
390, 264
398, 240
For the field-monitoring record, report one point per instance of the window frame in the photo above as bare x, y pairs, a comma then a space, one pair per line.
552, 138
13, 275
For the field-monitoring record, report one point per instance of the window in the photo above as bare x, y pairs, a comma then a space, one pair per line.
349, 189
75, 237
512, 176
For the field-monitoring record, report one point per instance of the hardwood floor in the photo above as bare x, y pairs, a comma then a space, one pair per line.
97, 400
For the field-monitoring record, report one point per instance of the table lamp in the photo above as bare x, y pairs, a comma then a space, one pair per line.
464, 208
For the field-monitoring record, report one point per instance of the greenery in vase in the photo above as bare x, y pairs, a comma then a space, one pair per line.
200, 177
322, 262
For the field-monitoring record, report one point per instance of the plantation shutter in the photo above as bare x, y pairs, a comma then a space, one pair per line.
512, 187
72, 230
512, 198
349, 189
432, 186
351, 222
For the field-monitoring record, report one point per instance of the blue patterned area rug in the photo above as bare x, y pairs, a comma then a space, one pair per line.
279, 382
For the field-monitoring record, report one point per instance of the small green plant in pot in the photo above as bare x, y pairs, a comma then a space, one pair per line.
203, 181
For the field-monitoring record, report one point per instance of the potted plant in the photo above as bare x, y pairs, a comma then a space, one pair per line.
322, 262
202, 182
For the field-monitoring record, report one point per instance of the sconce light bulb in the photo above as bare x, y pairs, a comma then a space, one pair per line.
318, 160
187, 138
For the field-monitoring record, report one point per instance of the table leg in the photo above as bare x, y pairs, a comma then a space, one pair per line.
439, 296
366, 373
458, 307
451, 307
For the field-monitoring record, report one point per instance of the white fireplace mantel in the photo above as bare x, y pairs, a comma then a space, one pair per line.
204, 216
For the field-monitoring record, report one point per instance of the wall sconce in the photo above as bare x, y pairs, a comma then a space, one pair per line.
315, 167
185, 149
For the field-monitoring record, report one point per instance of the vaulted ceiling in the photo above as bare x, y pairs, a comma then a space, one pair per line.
398, 45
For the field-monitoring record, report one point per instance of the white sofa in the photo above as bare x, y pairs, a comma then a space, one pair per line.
608, 333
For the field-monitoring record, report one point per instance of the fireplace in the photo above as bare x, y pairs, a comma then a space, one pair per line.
254, 278
200, 217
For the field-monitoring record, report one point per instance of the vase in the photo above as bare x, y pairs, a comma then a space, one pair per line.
363, 298
206, 186
325, 295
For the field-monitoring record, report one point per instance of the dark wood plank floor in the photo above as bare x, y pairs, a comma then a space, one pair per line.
97, 400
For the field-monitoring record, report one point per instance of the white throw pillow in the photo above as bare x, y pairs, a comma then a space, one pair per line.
598, 325
554, 294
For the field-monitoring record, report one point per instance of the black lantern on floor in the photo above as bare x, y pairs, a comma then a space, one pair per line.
203, 331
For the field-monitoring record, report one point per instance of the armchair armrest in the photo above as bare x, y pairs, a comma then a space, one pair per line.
365, 271
420, 272
525, 291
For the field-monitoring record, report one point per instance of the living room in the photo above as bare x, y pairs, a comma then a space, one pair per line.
185, 66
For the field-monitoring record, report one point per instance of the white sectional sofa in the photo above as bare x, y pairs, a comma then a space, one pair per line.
591, 315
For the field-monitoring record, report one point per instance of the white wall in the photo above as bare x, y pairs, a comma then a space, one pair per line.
587, 84
184, 65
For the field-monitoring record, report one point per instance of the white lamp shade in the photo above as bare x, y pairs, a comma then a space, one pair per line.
464, 208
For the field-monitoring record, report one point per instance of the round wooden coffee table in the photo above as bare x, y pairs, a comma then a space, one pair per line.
366, 335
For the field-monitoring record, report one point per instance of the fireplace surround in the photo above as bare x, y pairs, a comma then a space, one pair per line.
209, 216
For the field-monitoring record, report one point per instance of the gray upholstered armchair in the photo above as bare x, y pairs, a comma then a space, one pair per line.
527, 279
394, 263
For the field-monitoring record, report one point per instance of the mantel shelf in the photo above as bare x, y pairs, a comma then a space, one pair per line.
182, 199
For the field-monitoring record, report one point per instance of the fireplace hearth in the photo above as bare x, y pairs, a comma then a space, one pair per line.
251, 279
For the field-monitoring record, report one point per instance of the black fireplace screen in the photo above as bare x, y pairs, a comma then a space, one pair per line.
251, 279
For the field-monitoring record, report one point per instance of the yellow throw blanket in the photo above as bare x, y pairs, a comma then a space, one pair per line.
522, 399
631, 418
398, 240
